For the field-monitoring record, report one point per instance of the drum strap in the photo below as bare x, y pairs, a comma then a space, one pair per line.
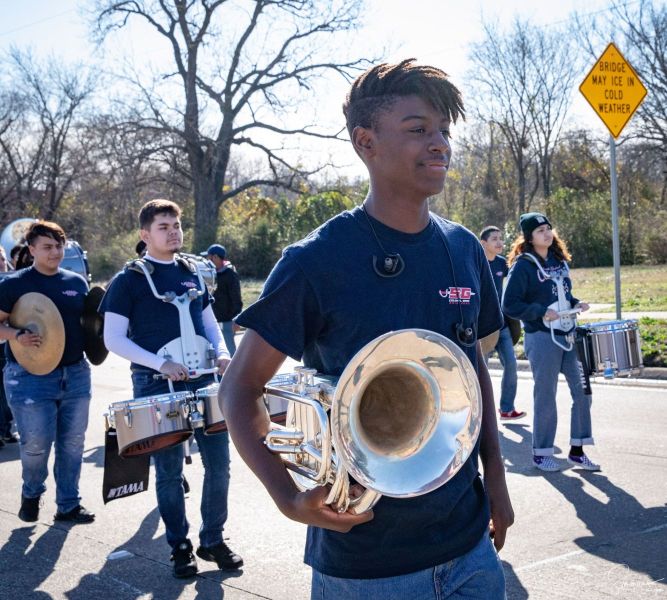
562, 303
189, 342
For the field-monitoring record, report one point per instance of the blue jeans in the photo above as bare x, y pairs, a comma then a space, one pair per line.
476, 575
50, 409
508, 385
6, 416
228, 335
214, 451
546, 361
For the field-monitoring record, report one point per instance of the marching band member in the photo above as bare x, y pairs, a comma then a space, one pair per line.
138, 323
538, 288
50, 409
491, 239
329, 295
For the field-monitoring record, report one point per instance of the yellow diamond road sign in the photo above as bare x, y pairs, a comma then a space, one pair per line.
613, 89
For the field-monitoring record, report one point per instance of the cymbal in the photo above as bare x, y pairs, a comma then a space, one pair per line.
93, 326
489, 342
39, 314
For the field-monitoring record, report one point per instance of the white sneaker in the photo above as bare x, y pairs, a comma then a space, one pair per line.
545, 463
583, 462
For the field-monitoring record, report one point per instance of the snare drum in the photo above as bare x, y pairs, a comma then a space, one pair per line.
145, 425
612, 348
214, 421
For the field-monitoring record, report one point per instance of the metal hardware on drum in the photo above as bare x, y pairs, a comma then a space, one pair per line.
611, 348
401, 420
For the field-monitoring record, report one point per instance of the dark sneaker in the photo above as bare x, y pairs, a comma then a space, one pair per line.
583, 462
77, 515
222, 555
10, 438
29, 511
511, 415
185, 563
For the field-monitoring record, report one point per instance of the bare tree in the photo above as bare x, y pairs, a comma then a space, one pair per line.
241, 68
39, 135
521, 82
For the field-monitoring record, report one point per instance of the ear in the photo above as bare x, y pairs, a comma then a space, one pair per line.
364, 142
144, 234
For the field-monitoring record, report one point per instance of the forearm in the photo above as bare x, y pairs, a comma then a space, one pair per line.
489, 447
248, 423
116, 341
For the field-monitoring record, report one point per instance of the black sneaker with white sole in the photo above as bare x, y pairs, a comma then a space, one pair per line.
222, 555
77, 515
185, 563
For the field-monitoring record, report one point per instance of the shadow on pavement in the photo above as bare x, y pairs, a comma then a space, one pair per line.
622, 530
513, 587
25, 568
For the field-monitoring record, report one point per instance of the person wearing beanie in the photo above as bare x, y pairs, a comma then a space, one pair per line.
538, 266
491, 239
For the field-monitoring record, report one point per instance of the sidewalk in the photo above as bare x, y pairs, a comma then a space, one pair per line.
607, 312
649, 377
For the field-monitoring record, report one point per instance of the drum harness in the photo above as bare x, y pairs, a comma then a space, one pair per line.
190, 349
567, 317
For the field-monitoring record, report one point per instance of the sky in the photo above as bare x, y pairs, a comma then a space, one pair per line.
437, 32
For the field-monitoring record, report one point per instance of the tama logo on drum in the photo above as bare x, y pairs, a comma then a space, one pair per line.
457, 295
189, 284
70, 293
126, 490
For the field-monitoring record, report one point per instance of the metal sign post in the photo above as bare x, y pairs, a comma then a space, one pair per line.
616, 243
614, 91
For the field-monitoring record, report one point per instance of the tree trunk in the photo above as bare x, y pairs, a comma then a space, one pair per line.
207, 205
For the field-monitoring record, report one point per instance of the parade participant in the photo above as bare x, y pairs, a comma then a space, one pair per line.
329, 295
539, 281
137, 325
50, 409
227, 296
491, 239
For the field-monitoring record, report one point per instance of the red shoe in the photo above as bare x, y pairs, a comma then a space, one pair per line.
513, 414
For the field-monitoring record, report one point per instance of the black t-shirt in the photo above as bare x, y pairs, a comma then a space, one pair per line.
66, 289
499, 271
154, 323
322, 303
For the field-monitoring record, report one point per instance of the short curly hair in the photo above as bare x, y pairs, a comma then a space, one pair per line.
378, 88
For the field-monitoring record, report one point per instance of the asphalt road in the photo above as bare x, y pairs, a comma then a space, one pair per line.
577, 535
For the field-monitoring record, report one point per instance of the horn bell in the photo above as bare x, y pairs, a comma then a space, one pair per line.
406, 413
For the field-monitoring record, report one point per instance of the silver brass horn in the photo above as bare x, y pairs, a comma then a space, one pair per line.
403, 418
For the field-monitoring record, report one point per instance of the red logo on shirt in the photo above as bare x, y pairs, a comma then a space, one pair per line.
457, 295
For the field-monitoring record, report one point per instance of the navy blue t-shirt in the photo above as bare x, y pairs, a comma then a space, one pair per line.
153, 323
66, 289
528, 293
499, 271
322, 303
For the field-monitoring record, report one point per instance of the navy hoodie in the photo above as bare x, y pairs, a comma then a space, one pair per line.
528, 294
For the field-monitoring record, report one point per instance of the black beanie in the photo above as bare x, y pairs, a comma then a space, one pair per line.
530, 221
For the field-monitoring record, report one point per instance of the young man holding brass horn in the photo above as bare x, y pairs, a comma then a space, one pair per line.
388, 265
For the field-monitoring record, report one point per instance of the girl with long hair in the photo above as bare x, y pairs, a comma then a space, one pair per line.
539, 292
